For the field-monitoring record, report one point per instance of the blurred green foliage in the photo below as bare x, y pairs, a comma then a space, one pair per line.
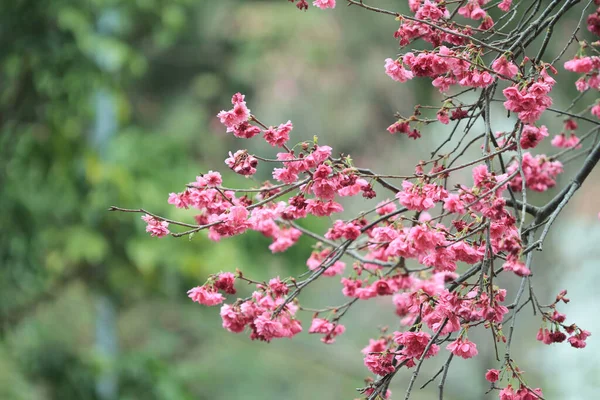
160, 64
59, 245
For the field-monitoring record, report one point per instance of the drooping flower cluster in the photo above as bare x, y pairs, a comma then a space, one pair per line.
328, 329
540, 173
156, 227
256, 313
572, 141
531, 100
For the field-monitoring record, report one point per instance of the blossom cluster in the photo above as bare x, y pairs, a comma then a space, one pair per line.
476, 224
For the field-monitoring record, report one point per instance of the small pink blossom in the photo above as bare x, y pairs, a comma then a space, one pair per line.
317, 258
385, 207
156, 227
324, 327
268, 328
395, 70
562, 141
225, 282
340, 229
233, 319
581, 65
504, 67
578, 340
242, 163
240, 113
442, 116
463, 348
516, 266
323, 209
207, 297
505, 5
453, 204
284, 238
277, 137
492, 375
380, 364
472, 10
324, 4
278, 288
375, 346
414, 344
531, 136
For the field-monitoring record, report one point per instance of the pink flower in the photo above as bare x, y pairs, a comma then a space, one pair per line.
562, 141
596, 110
324, 186
581, 65
323, 209
463, 348
540, 173
385, 207
593, 22
416, 197
284, 239
582, 84
529, 102
426, 64
231, 223
369, 391
380, 364
505, 5
225, 282
466, 253
320, 154
504, 67
233, 319
487, 23
278, 288
326, 328
507, 394
375, 346
268, 328
525, 394
353, 190
285, 175
532, 136
242, 163
277, 137
320, 325
350, 231
324, 4
399, 127
578, 341
492, 375
179, 200
239, 114
516, 266
432, 11
207, 297
395, 70
442, 116
472, 10
414, 344
453, 204
156, 227
245, 131
317, 258
211, 179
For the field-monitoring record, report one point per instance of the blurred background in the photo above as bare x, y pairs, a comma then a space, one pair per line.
113, 102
